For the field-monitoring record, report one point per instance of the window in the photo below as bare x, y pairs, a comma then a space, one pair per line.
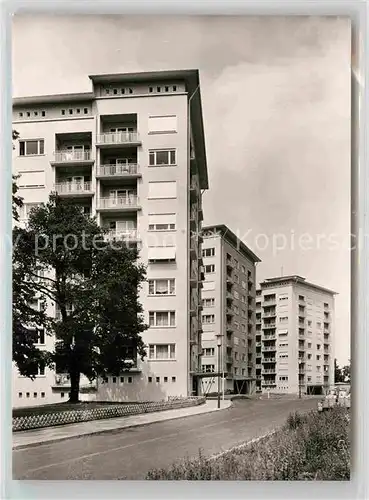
159, 254
162, 124
20, 394
160, 157
162, 287
31, 178
174, 88
210, 268
284, 344
149, 379
25, 211
27, 394
162, 222
208, 252
151, 90
318, 346
208, 368
210, 302
40, 336
62, 395
38, 370
36, 113
162, 351
318, 324
20, 115
162, 318
28, 114
283, 319
318, 357
309, 322
309, 345
283, 355
208, 285
114, 380
130, 380
85, 110
283, 378
301, 297
31, 147
63, 111
122, 380
208, 351
208, 319
165, 379
163, 190
71, 111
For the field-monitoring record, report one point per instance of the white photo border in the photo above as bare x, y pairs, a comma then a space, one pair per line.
358, 486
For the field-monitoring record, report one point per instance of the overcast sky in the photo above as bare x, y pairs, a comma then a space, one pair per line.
276, 104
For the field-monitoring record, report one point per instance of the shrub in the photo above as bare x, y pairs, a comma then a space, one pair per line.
313, 446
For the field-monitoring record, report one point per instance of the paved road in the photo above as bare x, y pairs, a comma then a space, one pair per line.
130, 453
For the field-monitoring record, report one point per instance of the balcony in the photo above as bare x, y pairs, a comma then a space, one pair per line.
268, 382
269, 348
269, 360
271, 324
131, 235
269, 371
269, 337
69, 158
269, 302
269, 314
229, 328
194, 189
74, 189
120, 171
113, 139
229, 312
229, 296
118, 204
229, 360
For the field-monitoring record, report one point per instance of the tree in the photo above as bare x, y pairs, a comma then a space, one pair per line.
17, 201
93, 285
338, 378
346, 372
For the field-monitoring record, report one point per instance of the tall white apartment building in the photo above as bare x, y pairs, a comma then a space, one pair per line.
294, 336
132, 153
228, 316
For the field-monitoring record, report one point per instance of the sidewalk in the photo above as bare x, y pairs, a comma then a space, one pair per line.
23, 439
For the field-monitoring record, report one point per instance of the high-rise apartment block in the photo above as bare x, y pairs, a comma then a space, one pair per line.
132, 153
228, 316
294, 336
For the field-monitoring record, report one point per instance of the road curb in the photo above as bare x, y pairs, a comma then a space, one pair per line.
243, 445
112, 431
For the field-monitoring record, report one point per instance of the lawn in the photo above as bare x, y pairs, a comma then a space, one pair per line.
312, 446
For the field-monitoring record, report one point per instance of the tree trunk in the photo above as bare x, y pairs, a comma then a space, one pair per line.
74, 386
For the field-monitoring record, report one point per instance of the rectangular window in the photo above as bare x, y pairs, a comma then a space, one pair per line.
38, 369
208, 368
31, 147
210, 302
165, 157
162, 351
208, 351
162, 190
162, 318
162, 124
162, 287
40, 336
208, 252
209, 285
208, 319
210, 268
283, 319
31, 179
162, 222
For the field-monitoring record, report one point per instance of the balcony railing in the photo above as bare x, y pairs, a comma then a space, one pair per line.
269, 360
269, 370
272, 324
130, 235
270, 348
118, 170
73, 187
269, 314
117, 138
119, 202
66, 156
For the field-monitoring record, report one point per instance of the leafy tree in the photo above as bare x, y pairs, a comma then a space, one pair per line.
93, 285
17, 201
337, 373
346, 372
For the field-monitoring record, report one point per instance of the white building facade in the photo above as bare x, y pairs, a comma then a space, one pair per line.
294, 336
132, 153
228, 316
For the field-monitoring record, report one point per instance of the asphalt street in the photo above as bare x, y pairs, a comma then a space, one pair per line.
131, 453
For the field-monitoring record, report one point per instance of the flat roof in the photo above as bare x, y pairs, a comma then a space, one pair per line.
229, 236
295, 279
189, 76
